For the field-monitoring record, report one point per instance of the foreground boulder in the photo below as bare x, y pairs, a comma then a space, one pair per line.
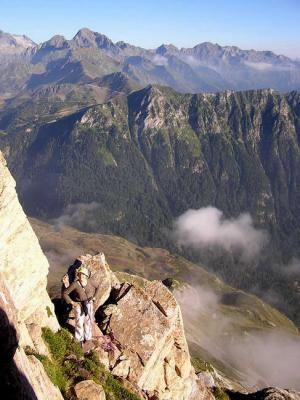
89, 390
101, 275
150, 351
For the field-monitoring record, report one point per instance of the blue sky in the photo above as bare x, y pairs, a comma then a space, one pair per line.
258, 24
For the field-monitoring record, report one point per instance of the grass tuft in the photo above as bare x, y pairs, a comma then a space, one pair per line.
219, 394
69, 365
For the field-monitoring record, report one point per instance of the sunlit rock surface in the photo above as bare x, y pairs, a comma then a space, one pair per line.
23, 264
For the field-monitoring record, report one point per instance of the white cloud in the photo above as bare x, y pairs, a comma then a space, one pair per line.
79, 215
160, 60
207, 227
192, 61
253, 354
263, 66
293, 267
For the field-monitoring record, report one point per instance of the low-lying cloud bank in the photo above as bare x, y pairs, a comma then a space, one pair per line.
261, 358
207, 228
79, 215
264, 66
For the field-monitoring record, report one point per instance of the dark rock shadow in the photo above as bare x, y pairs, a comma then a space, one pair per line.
14, 385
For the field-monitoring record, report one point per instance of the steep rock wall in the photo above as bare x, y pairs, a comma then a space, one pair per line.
21, 376
22, 262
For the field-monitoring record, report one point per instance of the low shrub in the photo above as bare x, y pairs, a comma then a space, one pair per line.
201, 365
219, 394
69, 365
116, 390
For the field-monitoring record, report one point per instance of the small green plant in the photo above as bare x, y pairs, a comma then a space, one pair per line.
52, 368
201, 365
115, 387
56, 343
61, 343
49, 312
219, 394
69, 365
92, 364
56, 374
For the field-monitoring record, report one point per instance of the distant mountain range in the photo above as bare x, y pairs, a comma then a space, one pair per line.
26, 66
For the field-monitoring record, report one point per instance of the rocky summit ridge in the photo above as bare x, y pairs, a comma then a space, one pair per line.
89, 55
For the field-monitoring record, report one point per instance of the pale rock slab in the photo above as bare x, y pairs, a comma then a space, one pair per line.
22, 262
101, 274
26, 374
89, 390
148, 324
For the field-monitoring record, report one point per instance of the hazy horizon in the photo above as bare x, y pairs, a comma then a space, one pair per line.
269, 26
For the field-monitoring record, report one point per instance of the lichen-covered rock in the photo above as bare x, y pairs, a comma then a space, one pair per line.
89, 390
23, 264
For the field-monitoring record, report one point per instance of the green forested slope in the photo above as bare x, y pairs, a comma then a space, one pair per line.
143, 159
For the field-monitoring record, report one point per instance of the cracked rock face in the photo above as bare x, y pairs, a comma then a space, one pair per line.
147, 325
23, 267
23, 264
25, 306
147, 322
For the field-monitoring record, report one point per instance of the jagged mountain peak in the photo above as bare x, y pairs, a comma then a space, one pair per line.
88, 38
85, 31
166, 48
206, 67
149, 91
56, 42
11, 43
122, 44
